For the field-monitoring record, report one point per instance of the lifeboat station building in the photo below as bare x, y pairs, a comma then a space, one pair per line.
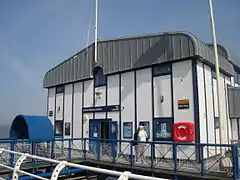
161, 81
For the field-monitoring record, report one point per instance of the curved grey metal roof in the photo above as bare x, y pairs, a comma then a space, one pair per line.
226, 52
133, 52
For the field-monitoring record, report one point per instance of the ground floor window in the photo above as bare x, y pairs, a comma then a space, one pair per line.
163, 129
58, 128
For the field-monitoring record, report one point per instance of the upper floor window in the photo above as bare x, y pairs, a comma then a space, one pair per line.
99, 78
162, 69
59, 89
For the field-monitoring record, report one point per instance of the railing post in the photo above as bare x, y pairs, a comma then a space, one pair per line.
69, 150
98, 149
235, 161
84, 148
175, 158
202, 160
152, 154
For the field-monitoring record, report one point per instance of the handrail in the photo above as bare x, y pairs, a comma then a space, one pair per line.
61, 164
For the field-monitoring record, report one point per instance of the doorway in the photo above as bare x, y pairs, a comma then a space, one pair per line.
102, 133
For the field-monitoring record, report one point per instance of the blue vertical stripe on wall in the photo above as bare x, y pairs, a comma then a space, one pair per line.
152, 88
135, 99
120, 112
72, 108
196, 105
106, 97
82, 106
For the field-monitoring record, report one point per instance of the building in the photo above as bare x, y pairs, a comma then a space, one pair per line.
154, 80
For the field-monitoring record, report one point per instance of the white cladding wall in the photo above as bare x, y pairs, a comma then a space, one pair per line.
68, 108
67, 111
113, 95
183, 89
88, 102
77, 113
144, 97
208, 108
51, 103
162, 89
128, 104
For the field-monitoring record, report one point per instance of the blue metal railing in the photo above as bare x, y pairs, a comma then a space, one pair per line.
167, 156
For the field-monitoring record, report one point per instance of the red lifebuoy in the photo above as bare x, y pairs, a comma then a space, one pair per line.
184, 132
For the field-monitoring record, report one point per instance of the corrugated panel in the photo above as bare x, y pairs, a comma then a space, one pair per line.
133, 52
234, 102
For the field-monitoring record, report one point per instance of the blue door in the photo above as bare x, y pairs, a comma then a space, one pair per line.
94, 135
113, 134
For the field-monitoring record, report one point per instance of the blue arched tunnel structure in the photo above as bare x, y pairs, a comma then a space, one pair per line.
35, 128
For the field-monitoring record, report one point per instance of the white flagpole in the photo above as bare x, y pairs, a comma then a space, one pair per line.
217, 72
96, 30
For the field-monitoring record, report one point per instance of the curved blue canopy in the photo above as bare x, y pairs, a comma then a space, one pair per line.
36, 128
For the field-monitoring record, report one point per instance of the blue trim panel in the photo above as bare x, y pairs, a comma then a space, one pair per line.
47, 102
55, 107
72, 108
120, 104
172, 92
106, 98
206, 111
152, 88
111, 108
63, 111
82, 105
135, 99
93, 98
196, 105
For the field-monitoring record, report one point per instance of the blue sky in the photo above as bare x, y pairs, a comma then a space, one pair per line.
37, 35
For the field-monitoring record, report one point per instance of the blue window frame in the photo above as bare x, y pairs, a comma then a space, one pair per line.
99, 78
163, 128
162, 69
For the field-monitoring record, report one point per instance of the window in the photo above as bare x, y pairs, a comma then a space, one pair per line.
58, 128
214, 74
59, 89
163, 129
67, 128
162, 69
99, 78
216, 122
127, 130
